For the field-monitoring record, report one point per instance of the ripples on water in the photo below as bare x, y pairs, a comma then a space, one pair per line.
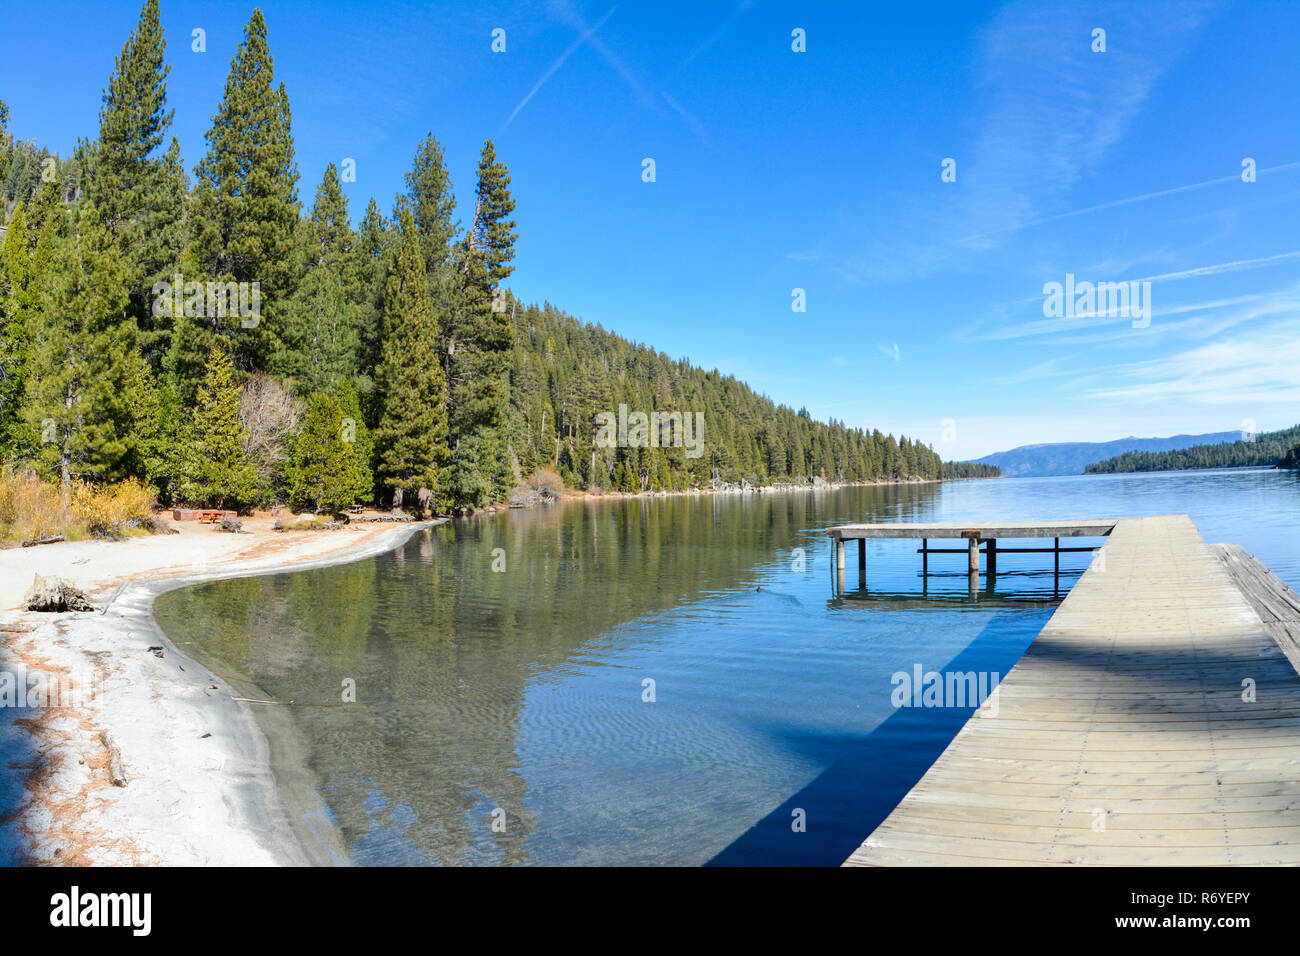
521, 692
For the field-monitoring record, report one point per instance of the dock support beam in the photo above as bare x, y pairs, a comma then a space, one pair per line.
973, 562
1056, 566
925, 558
991, 557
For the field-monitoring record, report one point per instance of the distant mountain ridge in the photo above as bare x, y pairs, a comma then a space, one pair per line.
1071, 458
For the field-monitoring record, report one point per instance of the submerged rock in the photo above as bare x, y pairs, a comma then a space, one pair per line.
56, 594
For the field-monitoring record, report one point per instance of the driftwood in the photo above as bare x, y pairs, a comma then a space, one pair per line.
116, 772
54, 540
55, 594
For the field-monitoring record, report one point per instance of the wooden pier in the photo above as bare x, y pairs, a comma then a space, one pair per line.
1155, 720
979, 540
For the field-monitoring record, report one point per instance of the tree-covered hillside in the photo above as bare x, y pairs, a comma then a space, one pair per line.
1266, 448
564, 373
225, 342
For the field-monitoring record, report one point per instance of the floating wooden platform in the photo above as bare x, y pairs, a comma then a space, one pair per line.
984, 532
1153, 721
975, 535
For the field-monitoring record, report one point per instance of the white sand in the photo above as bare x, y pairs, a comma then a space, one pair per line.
190, 799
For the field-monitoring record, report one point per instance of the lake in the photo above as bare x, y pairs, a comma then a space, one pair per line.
657, 681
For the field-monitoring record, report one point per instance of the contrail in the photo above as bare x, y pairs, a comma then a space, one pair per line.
696, 127
574, 19
555, 66
1223, 267
1125, 202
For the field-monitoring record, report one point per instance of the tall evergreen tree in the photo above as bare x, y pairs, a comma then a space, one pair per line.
331, 230
18, 292
432, 204
6, 142
120, 166
320, 341
478, 340
132, 187
411, 435
320, 338
245, 208
83, 353
373, 254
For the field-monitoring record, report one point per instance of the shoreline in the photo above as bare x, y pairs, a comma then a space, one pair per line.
201, 788
208, 782
575, 494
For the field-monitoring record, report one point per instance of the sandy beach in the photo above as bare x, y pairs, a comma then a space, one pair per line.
198, 790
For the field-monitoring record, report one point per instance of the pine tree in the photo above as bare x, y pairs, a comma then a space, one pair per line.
6, 142
479, 339
373, 255
161, 239
120, 167
134, 189
358, 433
431, 202
323, 471
215, 468
332, 236
19, 288
245, 209
82, 356
319, 338
411, 435
147, 451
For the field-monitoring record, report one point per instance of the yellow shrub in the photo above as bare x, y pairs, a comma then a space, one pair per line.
30, 509
108, 512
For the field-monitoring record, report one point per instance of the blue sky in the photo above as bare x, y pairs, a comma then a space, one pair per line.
819, 170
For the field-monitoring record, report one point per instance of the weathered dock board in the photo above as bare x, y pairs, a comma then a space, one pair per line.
1276, 604
1154, 720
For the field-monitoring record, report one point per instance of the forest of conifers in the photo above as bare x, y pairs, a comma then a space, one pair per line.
1280, 448
214, 339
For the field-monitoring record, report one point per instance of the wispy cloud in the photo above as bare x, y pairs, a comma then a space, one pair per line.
1039, 327
1259, 367
891, 352
1114, 204
1048, 369
1055, 109
1215, 318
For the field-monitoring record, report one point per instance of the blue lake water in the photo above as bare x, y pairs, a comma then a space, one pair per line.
501, 716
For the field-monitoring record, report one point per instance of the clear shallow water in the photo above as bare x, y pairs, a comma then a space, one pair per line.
522, 690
